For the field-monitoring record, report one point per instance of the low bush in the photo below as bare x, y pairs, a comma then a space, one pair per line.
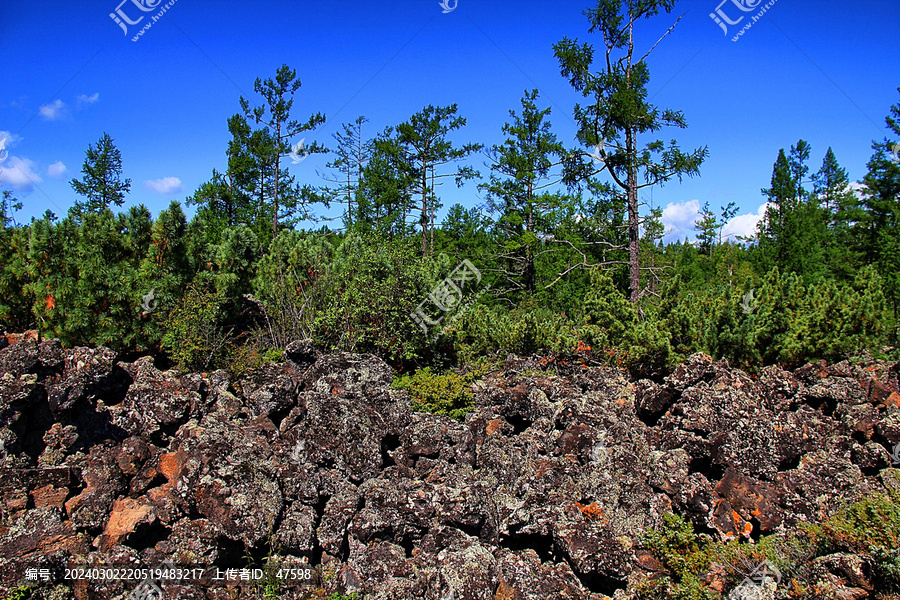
447, 394
869, 529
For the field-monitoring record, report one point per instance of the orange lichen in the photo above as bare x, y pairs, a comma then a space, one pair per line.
590, 511
582, 347
492, 426
505, 591
893, 400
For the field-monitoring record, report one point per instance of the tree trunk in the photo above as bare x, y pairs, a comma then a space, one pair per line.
349, 205
529, 250
424, 210
431, 215
277, 171
633, 218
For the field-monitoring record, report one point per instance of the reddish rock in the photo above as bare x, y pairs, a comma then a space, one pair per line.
49, 496
124, 518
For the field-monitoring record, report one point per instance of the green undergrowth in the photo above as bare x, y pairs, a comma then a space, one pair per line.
696, 564
447, 393
20, 593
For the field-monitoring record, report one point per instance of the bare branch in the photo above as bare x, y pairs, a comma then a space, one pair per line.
668, 31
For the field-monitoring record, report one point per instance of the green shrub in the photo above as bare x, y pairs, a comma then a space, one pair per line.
367, 296
869, 528
789, 322
194, 336
484, 330
447, 394
612, 326
288, 284
682, 553
21, 593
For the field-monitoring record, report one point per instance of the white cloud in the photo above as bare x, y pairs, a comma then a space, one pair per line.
56, 170
165, 186
678, 219
857, 187
743, 225
7, 141
19, 174
85, 99
53, 111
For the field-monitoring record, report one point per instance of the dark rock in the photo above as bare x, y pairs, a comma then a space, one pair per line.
301, 352
544, 492
270, 390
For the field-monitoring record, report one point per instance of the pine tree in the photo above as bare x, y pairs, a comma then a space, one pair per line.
14, 310
707, 225
792, 234
385, 196
879, 226
619, 114
84, 281
831, 187
278, 94
102, 183
517, 192
353, 153
421, 147
165, 270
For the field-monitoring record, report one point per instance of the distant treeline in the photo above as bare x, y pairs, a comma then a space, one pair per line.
563, 261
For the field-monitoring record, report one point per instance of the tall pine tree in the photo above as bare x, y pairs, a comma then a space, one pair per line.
518, 191
618, 114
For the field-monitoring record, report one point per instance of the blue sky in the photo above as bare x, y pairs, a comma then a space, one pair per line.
823, 71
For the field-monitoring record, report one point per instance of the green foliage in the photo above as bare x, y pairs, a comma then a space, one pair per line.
789, 322
484, 330
617, 113
284, 200
517, 192
877, 228
288, 283
15, 311
165, 269
686, 556
824, 273
82, 278
367, 296
612, 324
23, 592
102, 182
420, 147
869, 528
447, 394
195, 337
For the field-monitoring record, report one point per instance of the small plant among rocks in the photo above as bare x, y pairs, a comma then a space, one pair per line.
864, 533
447, 394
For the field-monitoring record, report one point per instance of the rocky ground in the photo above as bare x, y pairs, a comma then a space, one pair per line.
544, 492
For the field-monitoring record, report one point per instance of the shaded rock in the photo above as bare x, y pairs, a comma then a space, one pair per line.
297, 532
88, 374
157, 402
339, 509
301, 352
104, 482
522, 576
270, 390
